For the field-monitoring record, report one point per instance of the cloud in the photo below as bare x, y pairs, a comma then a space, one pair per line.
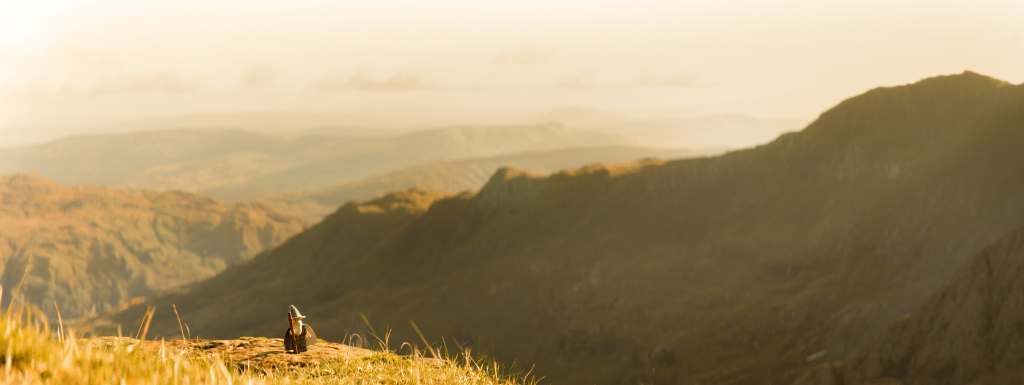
258, 77
402, 82
151, 84
141, 85
580, 82
157, 83
525, 56
671, 81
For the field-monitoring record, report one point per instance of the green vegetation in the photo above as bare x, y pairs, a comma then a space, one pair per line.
33, 353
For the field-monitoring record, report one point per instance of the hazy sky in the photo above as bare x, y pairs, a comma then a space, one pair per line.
87, 66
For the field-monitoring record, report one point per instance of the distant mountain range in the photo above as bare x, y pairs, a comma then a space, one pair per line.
236, 164
90, 249
461, 175
752, 267
83, 225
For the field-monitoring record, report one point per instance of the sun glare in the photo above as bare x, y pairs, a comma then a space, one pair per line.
26, 25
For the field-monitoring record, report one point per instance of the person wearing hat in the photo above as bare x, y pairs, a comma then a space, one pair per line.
299, 336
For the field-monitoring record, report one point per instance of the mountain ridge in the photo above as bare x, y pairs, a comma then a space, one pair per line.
738, 266
244, 165
461, 175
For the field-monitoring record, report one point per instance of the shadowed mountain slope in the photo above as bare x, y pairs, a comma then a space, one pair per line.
970, 332
744, 268
92, 249
330, 250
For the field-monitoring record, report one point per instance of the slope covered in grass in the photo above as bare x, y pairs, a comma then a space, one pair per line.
33, 354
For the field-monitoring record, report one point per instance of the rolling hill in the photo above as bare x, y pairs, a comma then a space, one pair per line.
744, 268
459, 175
236, 164
92, 249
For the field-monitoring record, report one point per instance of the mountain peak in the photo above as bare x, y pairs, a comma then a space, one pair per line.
508, 183
893, 114
411, 200
966, 78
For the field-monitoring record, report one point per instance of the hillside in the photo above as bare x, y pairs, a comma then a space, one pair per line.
745, 268
236, 164
459, 175
967, 333
92, 249
35, 355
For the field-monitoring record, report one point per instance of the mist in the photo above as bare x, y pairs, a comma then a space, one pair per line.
75, 68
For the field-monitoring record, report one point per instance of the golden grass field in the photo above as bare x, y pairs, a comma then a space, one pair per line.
35, 352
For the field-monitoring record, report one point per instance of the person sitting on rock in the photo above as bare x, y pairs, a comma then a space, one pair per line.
299, 336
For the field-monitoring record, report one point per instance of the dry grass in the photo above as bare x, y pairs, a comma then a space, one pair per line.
34, 353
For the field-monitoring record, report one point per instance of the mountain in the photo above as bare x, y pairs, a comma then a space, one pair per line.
236, 164
970, 332
92, 249
744, 268
459, 175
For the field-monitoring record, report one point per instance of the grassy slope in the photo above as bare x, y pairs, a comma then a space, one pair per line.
34, 354
730, 270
